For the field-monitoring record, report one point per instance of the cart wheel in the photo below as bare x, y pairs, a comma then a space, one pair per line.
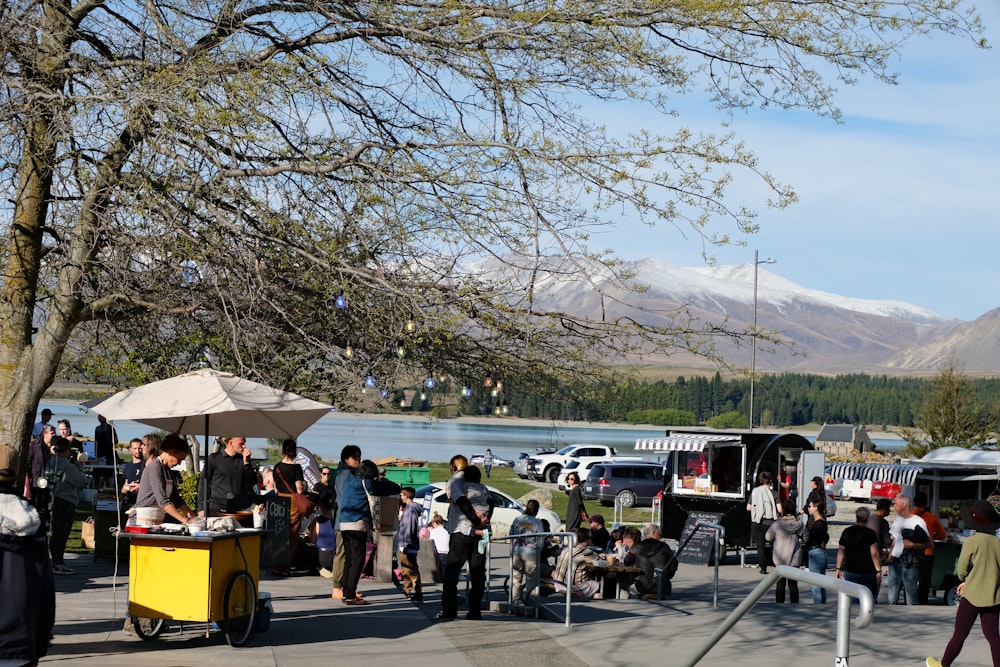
951, 596
147, 628
240, 608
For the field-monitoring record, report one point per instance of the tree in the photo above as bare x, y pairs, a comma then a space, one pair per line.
281, 188
951, 416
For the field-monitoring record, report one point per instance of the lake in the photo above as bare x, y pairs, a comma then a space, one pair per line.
431, 440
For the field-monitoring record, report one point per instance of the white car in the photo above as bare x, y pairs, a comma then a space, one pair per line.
505, 509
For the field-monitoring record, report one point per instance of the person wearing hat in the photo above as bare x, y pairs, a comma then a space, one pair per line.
65, 498
28, 612
978, 569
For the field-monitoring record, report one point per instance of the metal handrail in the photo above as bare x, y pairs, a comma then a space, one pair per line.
569, 568
845, 591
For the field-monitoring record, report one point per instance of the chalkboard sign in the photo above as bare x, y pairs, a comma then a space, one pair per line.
698, 551
274, 543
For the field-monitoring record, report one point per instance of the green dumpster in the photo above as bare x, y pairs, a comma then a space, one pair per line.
407, 476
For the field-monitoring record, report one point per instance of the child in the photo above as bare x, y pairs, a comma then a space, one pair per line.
409, 545
442, 540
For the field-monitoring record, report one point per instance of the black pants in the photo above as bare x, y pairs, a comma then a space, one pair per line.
354, 559
924, 579
793, 590
62, 523
758, 531
463, 549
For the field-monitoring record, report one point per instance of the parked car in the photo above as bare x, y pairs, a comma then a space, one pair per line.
477, 460
546, 467
583, 468
521, 464
505, 508
632, 484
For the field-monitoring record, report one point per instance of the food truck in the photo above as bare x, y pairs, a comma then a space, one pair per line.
713, 472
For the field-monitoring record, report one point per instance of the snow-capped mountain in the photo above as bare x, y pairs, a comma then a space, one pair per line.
830, 333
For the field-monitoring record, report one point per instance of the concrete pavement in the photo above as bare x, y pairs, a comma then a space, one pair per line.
308, 628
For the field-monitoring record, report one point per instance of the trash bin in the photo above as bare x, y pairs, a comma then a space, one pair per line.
407, 476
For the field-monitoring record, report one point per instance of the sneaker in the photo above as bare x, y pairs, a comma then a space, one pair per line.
62, 569
933, 662
127, 628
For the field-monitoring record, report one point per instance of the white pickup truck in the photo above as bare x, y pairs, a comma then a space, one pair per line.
546, 467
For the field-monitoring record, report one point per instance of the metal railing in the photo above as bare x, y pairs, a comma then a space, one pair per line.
845, 591
619, 512
571, 539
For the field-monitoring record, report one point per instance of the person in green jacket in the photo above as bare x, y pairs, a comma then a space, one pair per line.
979, 570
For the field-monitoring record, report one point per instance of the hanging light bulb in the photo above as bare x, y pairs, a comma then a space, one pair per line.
494, 393
496, 410
340, 301
503, 409
400, 350
429, 383
370, 381
499, 385
410, 326
466, 392
402, 402
385, 393
488, 382
423, 396
348, 352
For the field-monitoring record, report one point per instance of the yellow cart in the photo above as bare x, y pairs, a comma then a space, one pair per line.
199, 578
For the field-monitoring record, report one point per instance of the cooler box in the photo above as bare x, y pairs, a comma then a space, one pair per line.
415, 477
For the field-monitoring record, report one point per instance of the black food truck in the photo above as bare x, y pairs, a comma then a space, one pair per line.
711, 473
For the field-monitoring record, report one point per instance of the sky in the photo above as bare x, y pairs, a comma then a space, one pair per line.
900, 201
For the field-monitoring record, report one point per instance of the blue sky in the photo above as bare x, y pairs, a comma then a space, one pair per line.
900, 201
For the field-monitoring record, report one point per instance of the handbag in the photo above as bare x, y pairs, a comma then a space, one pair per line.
303, 503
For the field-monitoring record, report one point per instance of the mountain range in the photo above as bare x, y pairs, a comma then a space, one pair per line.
829, 333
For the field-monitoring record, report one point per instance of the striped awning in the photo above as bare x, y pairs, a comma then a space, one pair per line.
897, 473
685, 442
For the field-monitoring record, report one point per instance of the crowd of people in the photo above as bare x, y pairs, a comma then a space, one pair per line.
340, 525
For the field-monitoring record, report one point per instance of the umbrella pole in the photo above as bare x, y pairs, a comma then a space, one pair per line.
204, 467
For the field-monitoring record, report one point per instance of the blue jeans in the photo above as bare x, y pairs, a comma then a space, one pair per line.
817, 564
870, 580
901, 575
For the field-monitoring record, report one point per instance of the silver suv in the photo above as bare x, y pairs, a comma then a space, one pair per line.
632, 483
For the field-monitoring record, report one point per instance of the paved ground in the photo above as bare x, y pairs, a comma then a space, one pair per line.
308, 628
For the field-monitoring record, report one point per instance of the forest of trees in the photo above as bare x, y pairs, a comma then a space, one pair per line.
779, 400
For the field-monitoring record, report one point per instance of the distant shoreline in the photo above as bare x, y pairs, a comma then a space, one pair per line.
806, 431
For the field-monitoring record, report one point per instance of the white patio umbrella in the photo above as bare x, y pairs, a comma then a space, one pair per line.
211, 402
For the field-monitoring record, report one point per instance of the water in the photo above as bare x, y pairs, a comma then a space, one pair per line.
430, 440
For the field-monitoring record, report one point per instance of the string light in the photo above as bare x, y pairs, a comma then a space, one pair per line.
400, 350
348, 352
429, 383
370, 381
385, 393
488, 382
340, 301
411, 326
466, 392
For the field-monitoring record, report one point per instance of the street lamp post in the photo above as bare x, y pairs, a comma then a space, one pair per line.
753, 349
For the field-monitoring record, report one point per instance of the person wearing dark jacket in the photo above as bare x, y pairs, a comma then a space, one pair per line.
576, 513
356, 522
651, 553
28, 612
227, 481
